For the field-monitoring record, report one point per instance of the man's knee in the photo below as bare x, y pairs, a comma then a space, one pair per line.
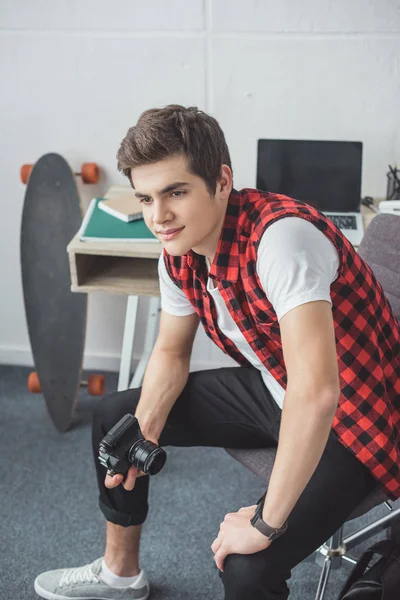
256, 576
111, 408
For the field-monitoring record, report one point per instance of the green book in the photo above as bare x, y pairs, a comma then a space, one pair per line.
99, 226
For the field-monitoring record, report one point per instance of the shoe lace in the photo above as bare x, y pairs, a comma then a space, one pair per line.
85, 574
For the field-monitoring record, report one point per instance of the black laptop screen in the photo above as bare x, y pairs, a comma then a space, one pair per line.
325, 174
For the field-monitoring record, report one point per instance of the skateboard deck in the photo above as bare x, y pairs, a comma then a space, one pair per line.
56, 318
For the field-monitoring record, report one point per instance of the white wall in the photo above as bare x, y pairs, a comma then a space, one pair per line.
75, 74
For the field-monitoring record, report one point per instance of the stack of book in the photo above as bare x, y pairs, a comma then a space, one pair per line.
116, 219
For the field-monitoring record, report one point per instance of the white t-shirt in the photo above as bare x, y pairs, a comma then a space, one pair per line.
296, 263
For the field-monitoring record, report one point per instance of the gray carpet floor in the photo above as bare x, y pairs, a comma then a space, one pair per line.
50, 518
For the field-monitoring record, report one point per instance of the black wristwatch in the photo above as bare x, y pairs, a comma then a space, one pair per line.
270, 532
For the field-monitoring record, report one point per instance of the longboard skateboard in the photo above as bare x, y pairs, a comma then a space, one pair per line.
56, 318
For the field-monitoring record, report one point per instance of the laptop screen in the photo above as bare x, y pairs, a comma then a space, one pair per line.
325, 174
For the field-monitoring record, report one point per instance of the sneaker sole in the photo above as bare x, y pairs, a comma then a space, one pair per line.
50, 596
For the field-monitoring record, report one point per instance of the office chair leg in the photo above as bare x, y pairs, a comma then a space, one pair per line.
335, 550
394, 527
323, 580
366, 532
332, 552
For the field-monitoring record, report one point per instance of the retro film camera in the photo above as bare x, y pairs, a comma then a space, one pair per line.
124, 446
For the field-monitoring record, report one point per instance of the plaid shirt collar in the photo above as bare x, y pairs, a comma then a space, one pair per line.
225, 265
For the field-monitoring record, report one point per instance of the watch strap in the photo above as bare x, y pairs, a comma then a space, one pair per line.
272, 533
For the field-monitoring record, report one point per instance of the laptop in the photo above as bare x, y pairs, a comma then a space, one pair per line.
324, 174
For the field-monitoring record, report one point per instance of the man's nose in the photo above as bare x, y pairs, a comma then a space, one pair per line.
160, 212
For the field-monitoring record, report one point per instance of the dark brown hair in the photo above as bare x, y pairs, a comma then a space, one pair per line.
173, 130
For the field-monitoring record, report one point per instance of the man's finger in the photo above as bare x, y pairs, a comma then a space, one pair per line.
130, 479
247, 508
112, 482
220, 556
216, 544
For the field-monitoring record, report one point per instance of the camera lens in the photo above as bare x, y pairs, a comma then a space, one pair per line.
147, 457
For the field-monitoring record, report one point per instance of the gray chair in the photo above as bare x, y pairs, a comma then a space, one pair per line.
380, 248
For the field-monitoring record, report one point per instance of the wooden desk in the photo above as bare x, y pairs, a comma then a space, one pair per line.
124, 268
130, 269
120, 268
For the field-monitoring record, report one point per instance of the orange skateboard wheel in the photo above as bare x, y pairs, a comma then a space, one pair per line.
90, 173
25, 173
96, 385
34, 383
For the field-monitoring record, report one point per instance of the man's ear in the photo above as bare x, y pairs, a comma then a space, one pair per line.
225, 181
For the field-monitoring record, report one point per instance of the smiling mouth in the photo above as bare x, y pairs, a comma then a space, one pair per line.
170, 231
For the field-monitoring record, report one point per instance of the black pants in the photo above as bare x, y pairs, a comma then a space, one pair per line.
231, 407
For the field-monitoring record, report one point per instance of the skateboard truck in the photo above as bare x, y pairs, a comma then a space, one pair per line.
96, 384
90, 172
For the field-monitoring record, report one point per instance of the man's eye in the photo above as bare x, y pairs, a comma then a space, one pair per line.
180, 193
145, 200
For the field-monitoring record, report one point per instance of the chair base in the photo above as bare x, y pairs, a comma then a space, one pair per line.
331, 554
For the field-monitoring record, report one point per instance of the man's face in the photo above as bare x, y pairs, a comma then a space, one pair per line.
178, 208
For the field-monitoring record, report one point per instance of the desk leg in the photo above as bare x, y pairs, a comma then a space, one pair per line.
151, 330
127, 345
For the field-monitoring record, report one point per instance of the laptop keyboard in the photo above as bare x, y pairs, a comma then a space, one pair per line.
343, 221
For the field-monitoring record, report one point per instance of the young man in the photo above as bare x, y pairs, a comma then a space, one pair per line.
279, 288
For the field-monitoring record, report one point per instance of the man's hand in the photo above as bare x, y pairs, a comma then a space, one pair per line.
238, 536
130, 479
131, 476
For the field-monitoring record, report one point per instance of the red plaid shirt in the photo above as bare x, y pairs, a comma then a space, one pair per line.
367, 419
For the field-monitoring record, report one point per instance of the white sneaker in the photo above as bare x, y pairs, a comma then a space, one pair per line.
83, 583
